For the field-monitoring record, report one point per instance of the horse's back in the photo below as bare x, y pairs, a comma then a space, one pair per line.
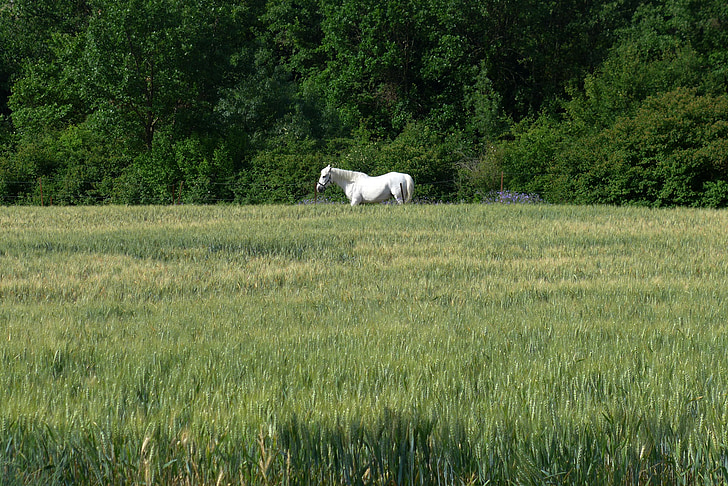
368, 189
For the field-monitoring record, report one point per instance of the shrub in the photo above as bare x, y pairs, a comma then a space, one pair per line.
430, 158
72, 166
665, 154
716, 194
480, 174
278, 176
190, 170
205, 168
528, 161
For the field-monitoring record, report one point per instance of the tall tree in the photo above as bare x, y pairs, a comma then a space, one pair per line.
34, 35
159, 63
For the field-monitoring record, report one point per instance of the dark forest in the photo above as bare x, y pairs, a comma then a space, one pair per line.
165, 101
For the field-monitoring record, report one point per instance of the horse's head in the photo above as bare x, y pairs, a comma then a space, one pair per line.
324, 180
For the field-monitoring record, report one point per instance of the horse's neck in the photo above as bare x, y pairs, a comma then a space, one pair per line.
345, 176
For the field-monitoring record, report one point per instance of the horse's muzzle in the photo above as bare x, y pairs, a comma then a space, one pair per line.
320, 187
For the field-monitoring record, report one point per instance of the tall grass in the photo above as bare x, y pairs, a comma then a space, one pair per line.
466, 344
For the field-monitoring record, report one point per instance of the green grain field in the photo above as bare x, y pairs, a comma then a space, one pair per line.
460, 344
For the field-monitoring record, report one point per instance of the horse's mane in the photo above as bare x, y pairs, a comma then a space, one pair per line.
349, 175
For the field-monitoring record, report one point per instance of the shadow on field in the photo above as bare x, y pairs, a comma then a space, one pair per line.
395, 449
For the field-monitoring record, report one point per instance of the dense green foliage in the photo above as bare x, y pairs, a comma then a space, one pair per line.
316, 344
154, 101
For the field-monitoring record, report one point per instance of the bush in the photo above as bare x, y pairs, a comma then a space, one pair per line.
279, 176
151, 177
71, 166
529, 161
431, 159
716, 194
191, 170
665, 155
671, 151
480, 174
205, 171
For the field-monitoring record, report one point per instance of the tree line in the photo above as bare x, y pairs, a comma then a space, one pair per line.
152, 101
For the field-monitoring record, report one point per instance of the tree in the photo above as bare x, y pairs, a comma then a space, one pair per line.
157, 64
35, 38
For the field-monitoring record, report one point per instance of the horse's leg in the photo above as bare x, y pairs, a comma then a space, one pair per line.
399, 197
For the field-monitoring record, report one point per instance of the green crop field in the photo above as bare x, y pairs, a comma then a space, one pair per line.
462, 344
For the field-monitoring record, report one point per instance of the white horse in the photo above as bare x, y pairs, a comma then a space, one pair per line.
360, 188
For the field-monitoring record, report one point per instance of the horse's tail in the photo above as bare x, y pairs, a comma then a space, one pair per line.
408, 188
